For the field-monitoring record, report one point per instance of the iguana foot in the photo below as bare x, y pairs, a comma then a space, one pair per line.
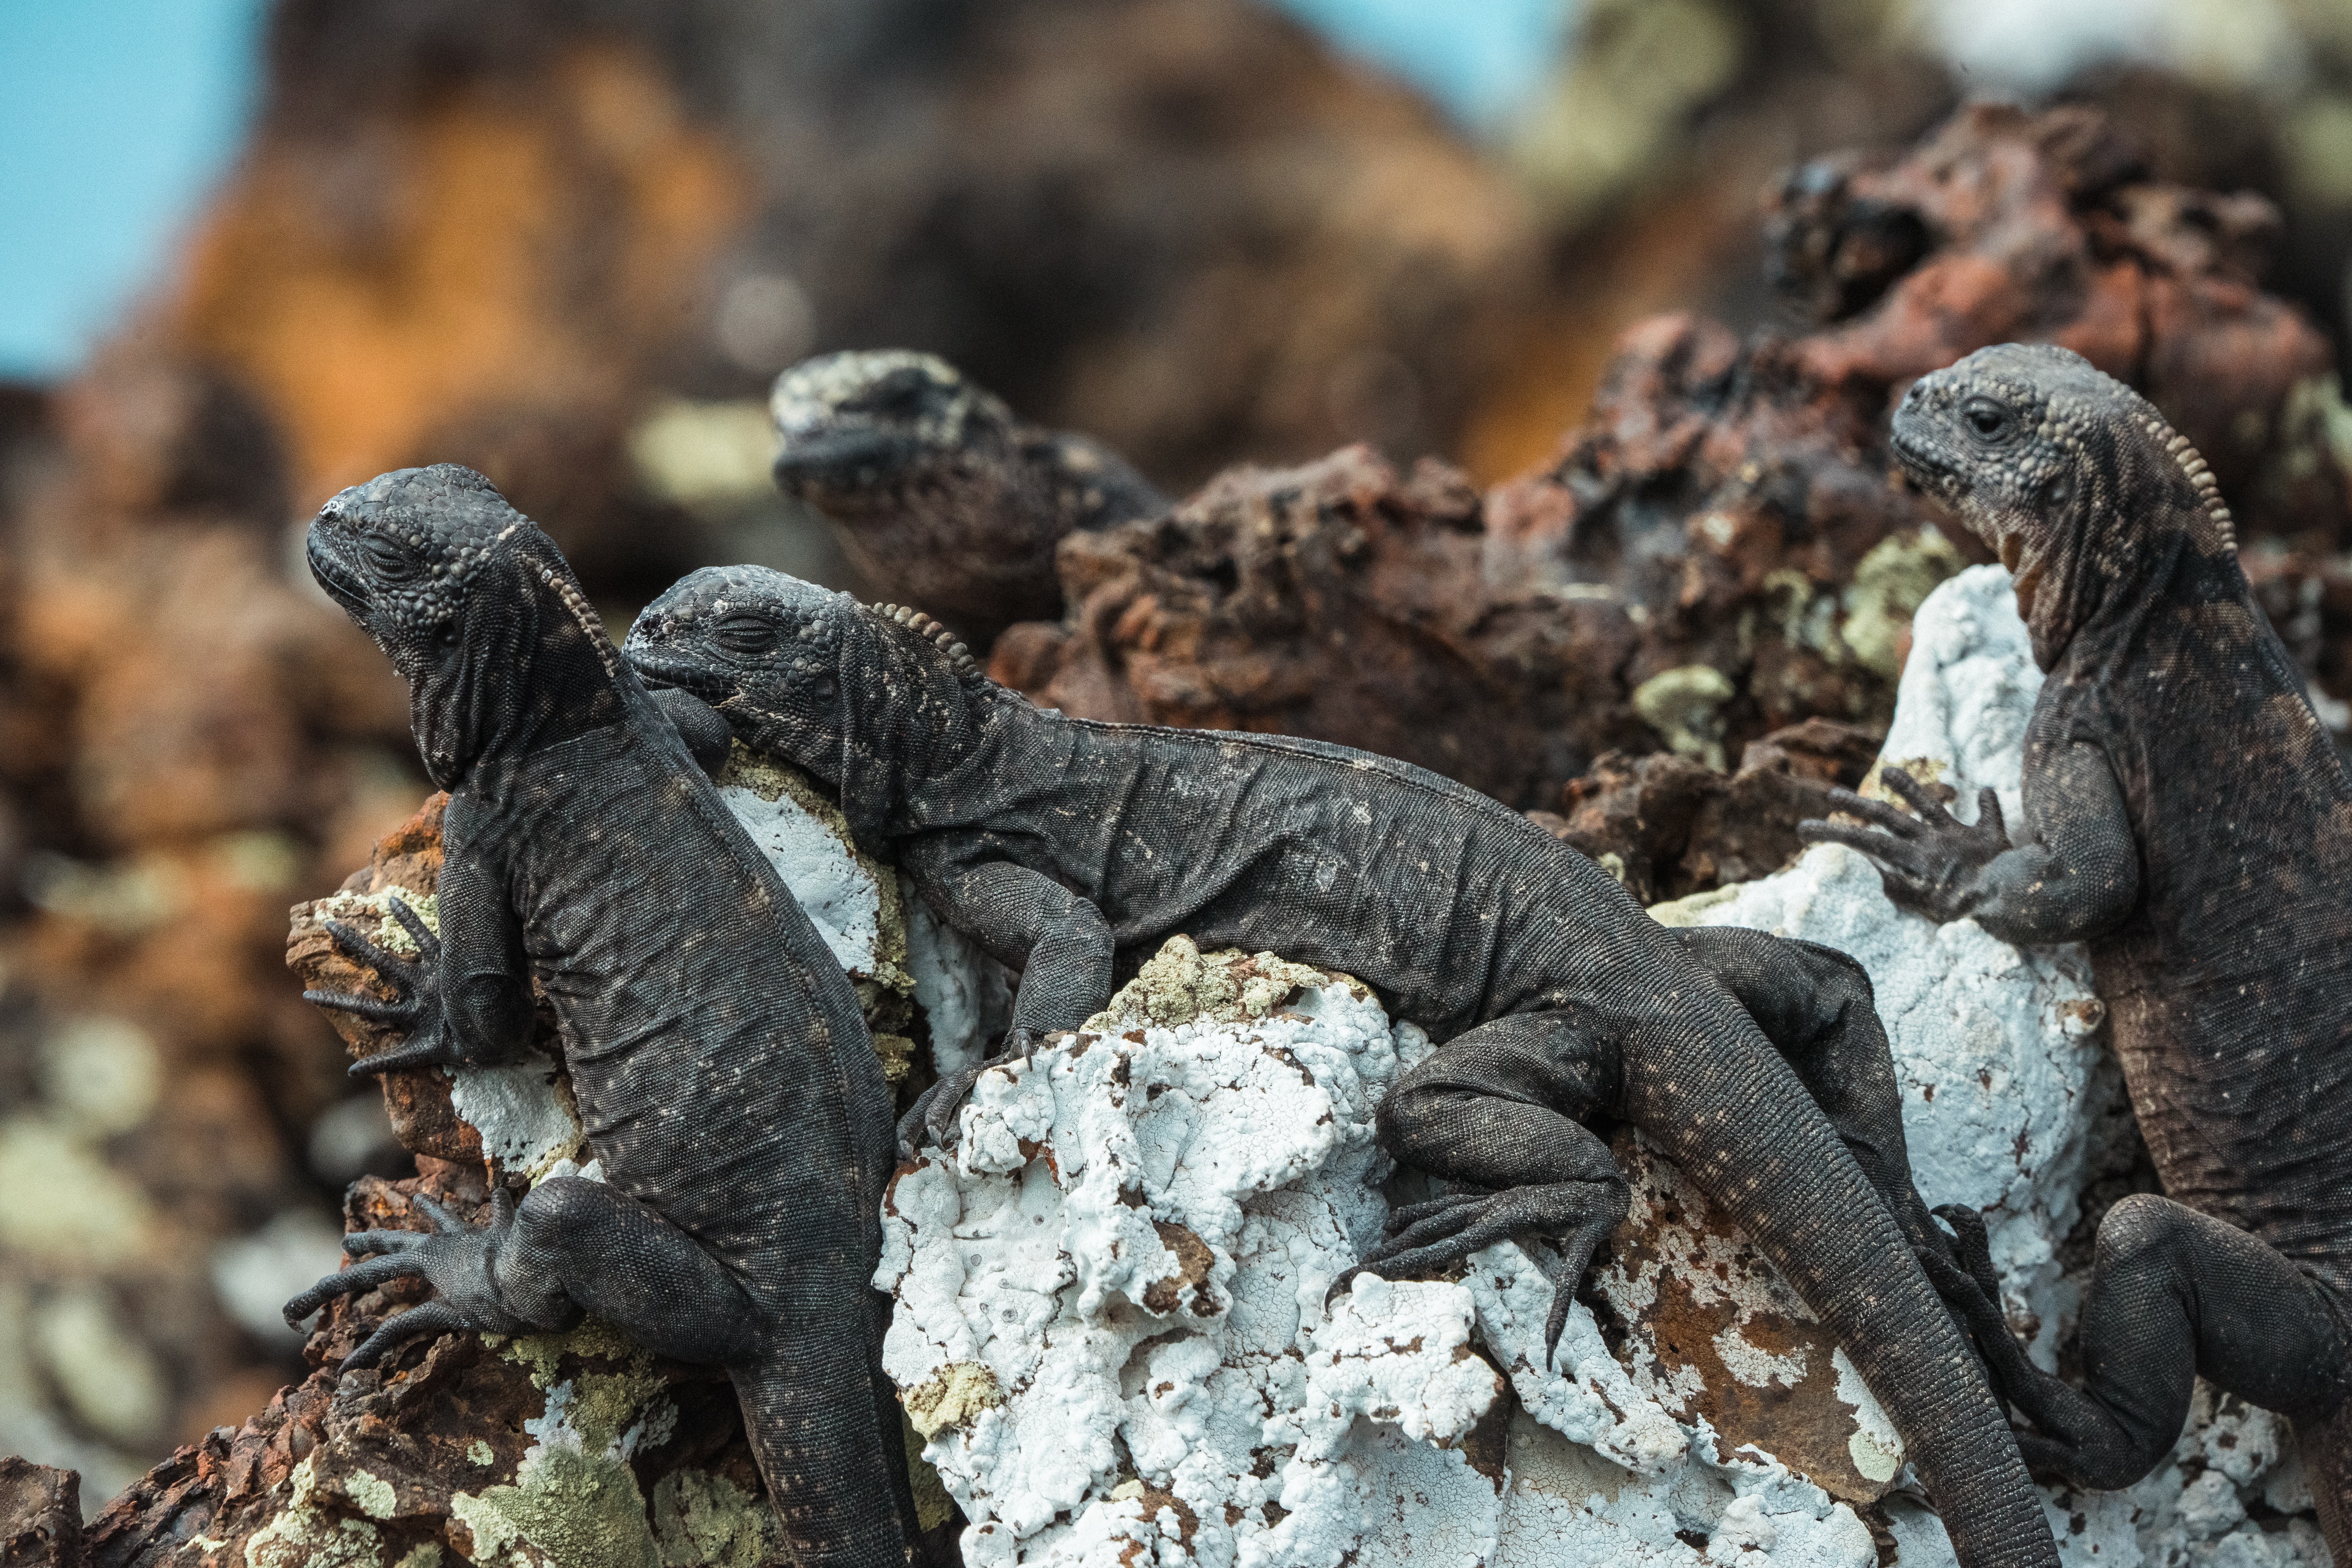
416, 1005
1575, 1217
456, 1259
936, 1109
1930, 862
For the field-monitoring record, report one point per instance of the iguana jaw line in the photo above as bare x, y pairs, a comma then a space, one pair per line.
657, 666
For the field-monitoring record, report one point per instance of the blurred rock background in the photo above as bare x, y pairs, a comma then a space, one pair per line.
570, 244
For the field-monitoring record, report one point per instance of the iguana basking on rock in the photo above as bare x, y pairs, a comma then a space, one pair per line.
2187, 817
1069, 847
724, 1077
936, 491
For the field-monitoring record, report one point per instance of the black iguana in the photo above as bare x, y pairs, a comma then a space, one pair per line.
724, 1077
936, 491
2186, 815
1063, 846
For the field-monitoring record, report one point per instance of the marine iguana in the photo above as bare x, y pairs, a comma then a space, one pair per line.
937, 492
2185, 816
1070, 847
724, 1077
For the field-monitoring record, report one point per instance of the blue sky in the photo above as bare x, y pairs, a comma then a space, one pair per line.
115, 116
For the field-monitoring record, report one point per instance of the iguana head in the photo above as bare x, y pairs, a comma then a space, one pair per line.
2072, 478
860, 427
863, 696
474, 606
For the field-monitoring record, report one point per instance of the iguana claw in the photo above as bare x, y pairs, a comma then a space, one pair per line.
414, 1006
454, 1258
936, 1109
1444, 1231
1928, 859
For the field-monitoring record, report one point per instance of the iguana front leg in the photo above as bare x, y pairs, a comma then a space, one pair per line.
465, 999
2078, 874
571, 1247
1058, 940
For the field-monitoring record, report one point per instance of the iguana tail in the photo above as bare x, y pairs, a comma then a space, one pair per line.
2327, 1446
1745, 1132
824, 1428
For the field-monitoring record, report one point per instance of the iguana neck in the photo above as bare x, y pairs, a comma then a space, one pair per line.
537, 673
2089, 596
916, 728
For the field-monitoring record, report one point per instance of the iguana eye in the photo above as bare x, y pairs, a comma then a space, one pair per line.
743, 633
388, 560
1987, 419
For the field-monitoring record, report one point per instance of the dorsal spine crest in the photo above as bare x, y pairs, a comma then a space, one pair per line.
584, 613
2201, 474
967, 668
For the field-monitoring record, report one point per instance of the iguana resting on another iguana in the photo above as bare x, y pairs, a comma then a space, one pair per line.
2185, 816
723, 1073
936, 491
1065, 847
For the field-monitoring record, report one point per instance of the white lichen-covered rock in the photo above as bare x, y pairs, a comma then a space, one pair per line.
1110, 1317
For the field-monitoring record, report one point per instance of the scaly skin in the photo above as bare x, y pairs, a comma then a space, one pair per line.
937, 492
1069, 848
723, 1072
2185, 816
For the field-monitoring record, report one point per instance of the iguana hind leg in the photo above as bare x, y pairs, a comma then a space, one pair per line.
1497, 1107
2175, 1293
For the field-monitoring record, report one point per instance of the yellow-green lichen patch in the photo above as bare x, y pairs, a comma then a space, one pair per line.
424, 1554
1889, 586
567, 1507
574, 1501
371, 915
954, 1395
1685, 706
542, 1353
306, 1535
700, 1518
376, 1496
1179, 983
481, 1453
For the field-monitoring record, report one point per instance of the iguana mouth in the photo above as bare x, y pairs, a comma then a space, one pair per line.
658, 667
339, 584
832, 458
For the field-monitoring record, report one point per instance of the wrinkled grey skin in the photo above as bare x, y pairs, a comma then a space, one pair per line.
2187, 817
722, 1069
1072, 850
936, 493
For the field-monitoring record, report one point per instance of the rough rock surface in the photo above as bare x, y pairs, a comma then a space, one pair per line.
2004, 226
1716, 551
1667, 826
1341, 600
